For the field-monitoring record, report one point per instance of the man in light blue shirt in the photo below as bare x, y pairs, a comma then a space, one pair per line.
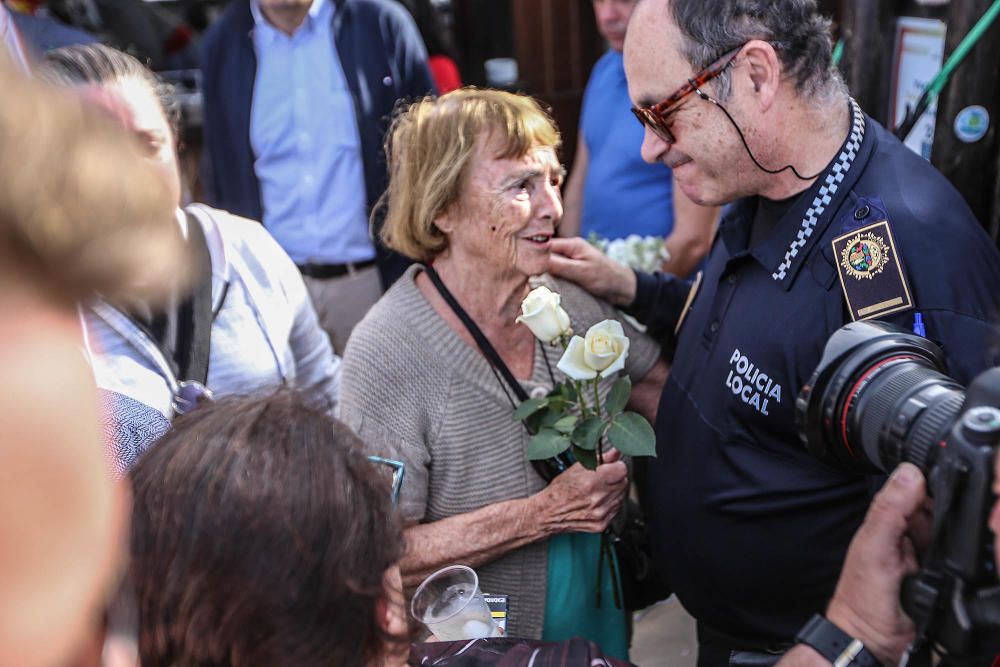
321, 77
304, 134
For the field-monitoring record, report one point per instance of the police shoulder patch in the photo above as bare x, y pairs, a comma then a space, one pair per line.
871, 273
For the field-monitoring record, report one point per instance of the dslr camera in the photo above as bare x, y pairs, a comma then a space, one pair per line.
879, 397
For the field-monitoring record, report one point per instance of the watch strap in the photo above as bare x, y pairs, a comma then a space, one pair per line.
834, 644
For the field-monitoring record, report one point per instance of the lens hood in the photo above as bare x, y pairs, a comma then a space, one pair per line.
851, 355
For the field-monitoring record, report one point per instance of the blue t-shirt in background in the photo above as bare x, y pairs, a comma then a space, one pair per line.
623, 195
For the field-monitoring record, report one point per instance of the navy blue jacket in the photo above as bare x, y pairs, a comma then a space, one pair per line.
751, 530
384, 61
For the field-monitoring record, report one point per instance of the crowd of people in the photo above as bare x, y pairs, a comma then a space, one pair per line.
198, 397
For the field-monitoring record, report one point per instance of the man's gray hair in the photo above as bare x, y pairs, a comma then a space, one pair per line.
799, 34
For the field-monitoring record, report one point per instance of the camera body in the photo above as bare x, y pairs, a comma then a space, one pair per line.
879, 397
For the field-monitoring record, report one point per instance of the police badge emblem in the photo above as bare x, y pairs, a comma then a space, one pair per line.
864, 256
871, 273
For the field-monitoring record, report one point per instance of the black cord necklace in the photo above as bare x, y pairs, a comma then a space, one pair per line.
795, 171
548, 468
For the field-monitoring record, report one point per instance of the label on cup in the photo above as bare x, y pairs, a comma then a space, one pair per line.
498, 610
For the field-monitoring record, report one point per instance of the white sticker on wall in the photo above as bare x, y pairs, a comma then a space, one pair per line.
971, 124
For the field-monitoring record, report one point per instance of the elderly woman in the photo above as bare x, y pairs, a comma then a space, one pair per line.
474, 192
249, 326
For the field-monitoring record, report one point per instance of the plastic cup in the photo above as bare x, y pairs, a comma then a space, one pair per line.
450, 604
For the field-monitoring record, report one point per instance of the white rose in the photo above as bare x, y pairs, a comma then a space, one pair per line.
619, 251
541, 312
606, 347
574, 363
603, 351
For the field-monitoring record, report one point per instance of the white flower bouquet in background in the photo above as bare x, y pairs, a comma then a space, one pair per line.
644, 253
573, 416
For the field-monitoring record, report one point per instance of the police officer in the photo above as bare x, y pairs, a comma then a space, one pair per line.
831, 220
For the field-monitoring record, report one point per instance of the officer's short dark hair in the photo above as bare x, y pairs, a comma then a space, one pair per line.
799, 33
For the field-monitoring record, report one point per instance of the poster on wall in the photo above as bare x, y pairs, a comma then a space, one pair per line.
918, 57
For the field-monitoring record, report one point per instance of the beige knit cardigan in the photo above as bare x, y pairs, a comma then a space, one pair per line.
415, 391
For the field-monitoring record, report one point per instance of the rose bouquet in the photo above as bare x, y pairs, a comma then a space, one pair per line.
645, 253
573, 416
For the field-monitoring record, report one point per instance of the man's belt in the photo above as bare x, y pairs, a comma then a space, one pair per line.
324, 271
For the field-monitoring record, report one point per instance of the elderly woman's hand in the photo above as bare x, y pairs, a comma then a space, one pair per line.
581, 500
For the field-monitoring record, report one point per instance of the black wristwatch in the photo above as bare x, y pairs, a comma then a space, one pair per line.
834, 644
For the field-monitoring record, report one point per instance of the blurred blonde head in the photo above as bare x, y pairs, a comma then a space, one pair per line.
80, 211
429, 148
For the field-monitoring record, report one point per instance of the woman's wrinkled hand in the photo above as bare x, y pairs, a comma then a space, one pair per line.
581, 500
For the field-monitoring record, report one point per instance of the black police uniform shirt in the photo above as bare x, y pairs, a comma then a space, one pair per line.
751, 530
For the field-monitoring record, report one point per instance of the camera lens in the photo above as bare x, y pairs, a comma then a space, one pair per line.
877, 398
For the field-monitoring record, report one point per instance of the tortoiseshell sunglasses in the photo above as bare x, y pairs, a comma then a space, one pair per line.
657, 117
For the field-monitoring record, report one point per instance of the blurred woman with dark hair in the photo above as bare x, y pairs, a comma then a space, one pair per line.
261, 536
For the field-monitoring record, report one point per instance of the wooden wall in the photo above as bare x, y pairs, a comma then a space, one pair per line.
555, 43
869, 31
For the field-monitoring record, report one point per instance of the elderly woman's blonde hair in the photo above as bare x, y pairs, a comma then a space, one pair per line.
80, 209
429, 148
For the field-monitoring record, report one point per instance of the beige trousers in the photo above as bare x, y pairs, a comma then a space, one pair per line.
342, 302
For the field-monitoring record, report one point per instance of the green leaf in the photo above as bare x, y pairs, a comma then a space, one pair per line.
568, 392
618, 396
586, 458
529, 407
559, 404
566, 424
549, 418
533, 424
546, 444
544, 418
588, 432
632, 435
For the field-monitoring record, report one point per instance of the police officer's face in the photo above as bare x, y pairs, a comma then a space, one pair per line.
708, 161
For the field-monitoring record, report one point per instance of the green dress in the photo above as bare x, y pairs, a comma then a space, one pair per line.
570, 609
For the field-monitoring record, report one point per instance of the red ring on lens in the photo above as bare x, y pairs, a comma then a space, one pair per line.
853, 393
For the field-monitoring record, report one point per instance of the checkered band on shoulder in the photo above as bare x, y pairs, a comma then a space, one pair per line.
834, 177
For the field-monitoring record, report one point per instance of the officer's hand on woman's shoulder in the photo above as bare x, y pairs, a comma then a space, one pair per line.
576, 260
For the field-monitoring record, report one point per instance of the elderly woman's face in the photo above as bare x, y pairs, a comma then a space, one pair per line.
509, 209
